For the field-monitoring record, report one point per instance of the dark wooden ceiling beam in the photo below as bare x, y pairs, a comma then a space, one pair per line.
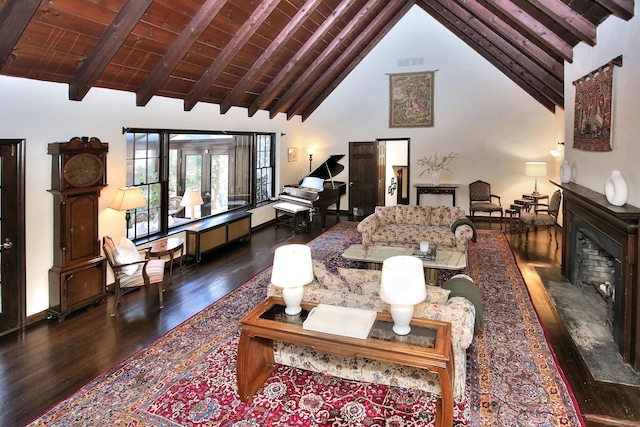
382, 18
270, 92
178, 50
623, 9
552, 64
256, 19
535, 29
569, 19
278, 42
538, 90
499, 44
334, 82
14, 18
306, 79
106, 47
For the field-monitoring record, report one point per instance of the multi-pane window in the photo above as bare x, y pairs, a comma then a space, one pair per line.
143, 170
203, 174
264, 167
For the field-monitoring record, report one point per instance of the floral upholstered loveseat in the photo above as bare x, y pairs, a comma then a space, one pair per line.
359, 289
408, 225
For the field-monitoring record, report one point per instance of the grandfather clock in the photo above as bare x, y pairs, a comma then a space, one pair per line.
78, 275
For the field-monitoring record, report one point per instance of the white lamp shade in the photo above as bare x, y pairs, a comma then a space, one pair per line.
191, 198
292, 269
292, 266
535, 169
128, 198
402, 281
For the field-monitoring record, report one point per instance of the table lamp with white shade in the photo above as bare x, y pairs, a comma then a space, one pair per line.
292, 269
402, 286
128, 199
191, 199
535, 169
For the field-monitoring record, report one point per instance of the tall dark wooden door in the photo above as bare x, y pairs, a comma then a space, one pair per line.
12, 255
366, 175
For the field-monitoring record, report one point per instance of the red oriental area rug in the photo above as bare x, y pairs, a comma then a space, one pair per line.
187, 377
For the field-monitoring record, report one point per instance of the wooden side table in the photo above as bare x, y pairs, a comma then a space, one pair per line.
436, 189
168, 246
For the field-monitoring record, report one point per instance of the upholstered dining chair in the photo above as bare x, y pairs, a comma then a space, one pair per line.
132, 269
542, 215
482, 200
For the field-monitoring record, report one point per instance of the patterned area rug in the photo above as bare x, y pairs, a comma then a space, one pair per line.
187, 377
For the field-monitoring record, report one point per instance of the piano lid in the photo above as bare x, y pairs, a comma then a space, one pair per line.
329, 168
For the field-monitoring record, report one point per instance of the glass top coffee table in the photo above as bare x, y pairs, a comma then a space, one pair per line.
428, 347
376, 254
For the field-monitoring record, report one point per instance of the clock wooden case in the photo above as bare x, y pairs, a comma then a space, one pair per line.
78, 173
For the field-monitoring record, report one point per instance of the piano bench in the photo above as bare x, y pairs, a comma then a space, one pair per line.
293, 216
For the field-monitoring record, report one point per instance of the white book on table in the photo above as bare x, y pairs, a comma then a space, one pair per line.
345, 321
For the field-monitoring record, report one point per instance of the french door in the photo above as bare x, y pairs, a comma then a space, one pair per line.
12, 254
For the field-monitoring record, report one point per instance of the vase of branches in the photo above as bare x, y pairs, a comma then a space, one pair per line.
435, 164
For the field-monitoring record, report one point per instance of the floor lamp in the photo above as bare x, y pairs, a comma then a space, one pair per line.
128, 199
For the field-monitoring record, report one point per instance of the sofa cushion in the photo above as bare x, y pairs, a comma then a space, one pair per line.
326, 280
387, 214
437, 295
361, 282
411, 235
413, 215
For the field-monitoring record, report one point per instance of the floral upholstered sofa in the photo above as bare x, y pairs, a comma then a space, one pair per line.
408, 225
359, 289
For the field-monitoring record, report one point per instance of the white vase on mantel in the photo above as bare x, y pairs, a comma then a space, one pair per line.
435, 177
565, 172
616, 188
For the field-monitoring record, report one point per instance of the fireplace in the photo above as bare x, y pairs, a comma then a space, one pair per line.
612, 232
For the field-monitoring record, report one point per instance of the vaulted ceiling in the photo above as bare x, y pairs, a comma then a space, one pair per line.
283, 56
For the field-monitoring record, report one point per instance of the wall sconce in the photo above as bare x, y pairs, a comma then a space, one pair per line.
558, 151
128, 199
310, 152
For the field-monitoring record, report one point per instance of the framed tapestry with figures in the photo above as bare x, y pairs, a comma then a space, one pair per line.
411, 99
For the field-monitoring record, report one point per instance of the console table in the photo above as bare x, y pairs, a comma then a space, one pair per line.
268, 322
217, 231
436, 189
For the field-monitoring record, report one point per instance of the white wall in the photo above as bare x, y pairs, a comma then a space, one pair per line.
479, 113
491, 123
590, 169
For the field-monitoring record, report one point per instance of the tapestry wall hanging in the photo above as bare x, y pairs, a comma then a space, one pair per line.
592, 123
411, 100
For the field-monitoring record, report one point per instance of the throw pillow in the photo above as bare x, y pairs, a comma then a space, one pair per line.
126, 252
326, 279
387, 214
437, 295
361, 282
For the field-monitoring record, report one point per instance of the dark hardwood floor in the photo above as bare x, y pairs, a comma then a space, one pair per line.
49, 360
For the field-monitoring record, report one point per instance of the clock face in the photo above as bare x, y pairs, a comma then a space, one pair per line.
83, 170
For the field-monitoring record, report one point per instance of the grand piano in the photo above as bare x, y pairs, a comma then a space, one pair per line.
317, 191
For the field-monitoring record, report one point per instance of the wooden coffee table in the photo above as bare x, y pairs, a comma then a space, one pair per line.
376, 254
428, 346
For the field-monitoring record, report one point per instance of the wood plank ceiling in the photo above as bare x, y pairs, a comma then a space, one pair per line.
282, 56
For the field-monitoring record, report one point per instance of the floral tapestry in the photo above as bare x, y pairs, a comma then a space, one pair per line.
592, 123
411, 100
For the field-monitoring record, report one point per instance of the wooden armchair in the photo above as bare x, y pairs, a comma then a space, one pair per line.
131, 269
481, 200
542, 215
